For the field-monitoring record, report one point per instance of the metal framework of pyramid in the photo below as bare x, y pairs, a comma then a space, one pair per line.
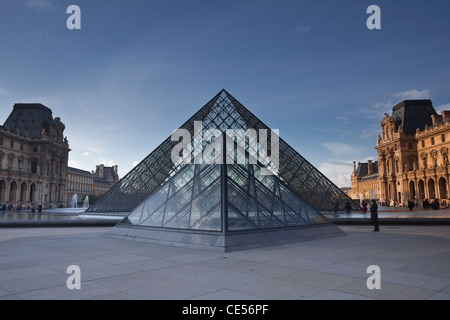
225, 206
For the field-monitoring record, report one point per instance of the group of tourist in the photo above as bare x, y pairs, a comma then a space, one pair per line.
19, 208
373, 211
435, 205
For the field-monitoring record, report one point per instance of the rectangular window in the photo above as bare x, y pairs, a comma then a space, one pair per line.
410, 145
423, 143
33, 166
443, 137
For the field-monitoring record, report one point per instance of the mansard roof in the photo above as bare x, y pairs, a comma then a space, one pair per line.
363, 169
29, 117
411, 115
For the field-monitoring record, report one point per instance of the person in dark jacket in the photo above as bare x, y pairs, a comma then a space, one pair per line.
335, 208
410, 205
348, 207
374, 215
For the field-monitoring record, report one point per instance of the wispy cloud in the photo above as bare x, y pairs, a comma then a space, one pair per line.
376, 110
38, 4
371, 131
340, 150
319, 129
339, 164
4, 91
443, 107
74, 164
413, 94
107, 162
302, 29
339, 172
42, 35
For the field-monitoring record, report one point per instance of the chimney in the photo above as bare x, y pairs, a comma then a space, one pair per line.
354, 167
100, 173
369, 167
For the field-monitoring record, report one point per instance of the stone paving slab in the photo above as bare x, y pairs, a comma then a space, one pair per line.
414, 262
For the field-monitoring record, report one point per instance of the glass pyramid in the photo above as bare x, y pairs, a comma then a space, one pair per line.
254, 200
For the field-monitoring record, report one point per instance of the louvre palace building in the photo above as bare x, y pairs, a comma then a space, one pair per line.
412, 157
34, 156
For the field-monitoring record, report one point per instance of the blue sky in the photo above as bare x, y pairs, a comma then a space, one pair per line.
137, 70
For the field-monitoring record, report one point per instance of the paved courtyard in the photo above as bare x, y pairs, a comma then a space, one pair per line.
414, 263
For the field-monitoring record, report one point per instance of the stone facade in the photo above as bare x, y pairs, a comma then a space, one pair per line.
412, 154
105, 178
95, 183
364, 180
79, 182
33, 158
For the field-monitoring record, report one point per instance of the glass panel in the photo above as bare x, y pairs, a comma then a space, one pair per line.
289, 197
237, 197
264, 197
268, 220
181, 179
240, 174
204, 202
178, 201
241, 221
314, 216
155, 219
135, 216
154, 202
180, 220
211, 221
292, 216
267, 180
208, 175
277, 210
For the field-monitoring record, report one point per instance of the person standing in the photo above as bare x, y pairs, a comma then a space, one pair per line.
374, 215
364, 207
410, 205
348, 207
335, 208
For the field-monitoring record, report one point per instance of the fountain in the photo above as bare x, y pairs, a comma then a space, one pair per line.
86, 202
73, 203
